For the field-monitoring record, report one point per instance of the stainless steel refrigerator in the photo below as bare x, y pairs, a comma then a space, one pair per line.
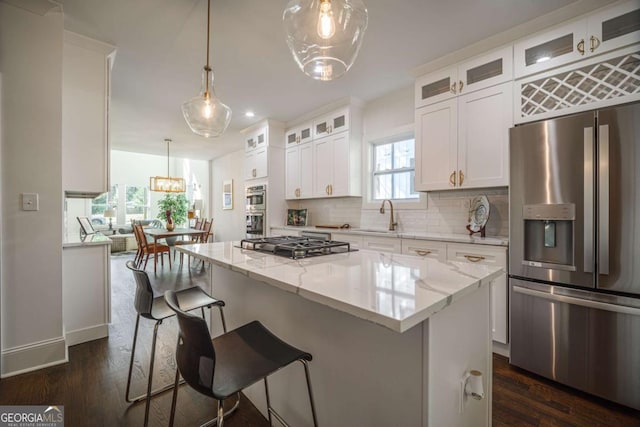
574, 251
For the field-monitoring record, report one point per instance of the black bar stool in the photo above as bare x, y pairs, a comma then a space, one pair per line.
155, 308
224, 365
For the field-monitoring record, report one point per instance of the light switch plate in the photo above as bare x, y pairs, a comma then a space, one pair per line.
30, 201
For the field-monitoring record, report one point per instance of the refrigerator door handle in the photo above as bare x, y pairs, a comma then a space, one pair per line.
578, 301
603, 199
588, 200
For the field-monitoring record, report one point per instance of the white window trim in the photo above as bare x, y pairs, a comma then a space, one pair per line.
391, 135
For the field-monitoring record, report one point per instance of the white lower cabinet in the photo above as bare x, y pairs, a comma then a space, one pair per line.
425, 249
382, 244
86, 293
494, 256
355, 240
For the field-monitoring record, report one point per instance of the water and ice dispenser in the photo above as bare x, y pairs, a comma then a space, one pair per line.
549, 235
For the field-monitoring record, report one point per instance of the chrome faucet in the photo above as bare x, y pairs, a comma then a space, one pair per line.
392, 224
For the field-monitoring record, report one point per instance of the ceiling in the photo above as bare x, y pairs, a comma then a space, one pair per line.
161, 52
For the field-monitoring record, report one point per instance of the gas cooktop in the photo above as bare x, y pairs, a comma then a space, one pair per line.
296, 247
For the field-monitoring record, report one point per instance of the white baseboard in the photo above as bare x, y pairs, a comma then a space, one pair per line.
27, 358
87, 334
501, 349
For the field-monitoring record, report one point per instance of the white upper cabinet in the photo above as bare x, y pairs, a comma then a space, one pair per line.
256, 163
436, 146
256, 139
484, 119
600, 32
299, 135
463, 142
264, 155
334, 122
436, 87
614, 27
85, 113
486, 70
551, 49
299, 172
331, 165
477, 73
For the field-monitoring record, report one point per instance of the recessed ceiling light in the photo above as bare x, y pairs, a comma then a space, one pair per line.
249, 114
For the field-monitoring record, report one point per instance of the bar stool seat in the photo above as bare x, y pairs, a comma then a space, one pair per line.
225, 365
155, 308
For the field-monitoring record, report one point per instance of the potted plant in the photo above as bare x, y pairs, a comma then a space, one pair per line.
174, 206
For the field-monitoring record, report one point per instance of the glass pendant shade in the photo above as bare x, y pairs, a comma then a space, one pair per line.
205, 114
325, 36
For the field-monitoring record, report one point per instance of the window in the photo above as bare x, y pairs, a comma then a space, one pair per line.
102, 202
137, 203
394, 170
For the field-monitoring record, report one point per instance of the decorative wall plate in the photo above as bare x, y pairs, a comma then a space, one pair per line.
478, 214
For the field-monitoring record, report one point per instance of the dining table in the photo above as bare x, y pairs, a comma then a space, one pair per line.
162, 233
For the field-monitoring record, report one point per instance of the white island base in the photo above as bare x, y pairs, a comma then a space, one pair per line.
407, 373
365, 374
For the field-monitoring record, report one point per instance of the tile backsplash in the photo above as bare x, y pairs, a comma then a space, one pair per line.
446, 212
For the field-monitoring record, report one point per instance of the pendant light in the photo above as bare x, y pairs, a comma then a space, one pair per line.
205, 114
167, 184
325, 36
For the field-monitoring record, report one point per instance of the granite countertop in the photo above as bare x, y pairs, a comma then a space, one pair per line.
444, 237
396, 291
74, 240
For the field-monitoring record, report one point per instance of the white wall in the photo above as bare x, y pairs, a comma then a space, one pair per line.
228, 224
31, 145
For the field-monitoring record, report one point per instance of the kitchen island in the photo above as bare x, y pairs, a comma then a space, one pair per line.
392, 336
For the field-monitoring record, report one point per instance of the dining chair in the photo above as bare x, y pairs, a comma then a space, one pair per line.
225, 365
137, 259
152, 248
154, 308
189, 241
201, 238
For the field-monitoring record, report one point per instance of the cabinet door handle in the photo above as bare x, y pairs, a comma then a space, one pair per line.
253, 173
453, 88
461, 86
460, 178
330, 189
594, 43
326, 189
580, 46
422, 253
474, 258
452, 178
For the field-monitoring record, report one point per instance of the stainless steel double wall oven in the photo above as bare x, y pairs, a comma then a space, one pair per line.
256, 208
574, 253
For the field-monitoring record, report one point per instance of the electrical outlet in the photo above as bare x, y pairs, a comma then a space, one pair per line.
30, 202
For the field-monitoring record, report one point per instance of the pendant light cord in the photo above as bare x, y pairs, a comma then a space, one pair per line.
207, 68
168, 141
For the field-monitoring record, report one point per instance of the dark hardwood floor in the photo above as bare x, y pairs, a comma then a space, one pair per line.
92, 385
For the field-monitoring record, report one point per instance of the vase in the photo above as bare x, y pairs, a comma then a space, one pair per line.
170, 224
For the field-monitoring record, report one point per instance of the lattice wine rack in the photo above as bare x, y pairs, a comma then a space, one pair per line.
613, 78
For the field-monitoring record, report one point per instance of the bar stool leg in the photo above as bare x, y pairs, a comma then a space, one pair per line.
133, 351
153, 356
174, 398
220, 413
266, 391
313, 406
